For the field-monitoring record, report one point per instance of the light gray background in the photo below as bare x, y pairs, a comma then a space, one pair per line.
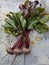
39, 51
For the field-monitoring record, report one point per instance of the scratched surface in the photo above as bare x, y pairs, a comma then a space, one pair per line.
39, 51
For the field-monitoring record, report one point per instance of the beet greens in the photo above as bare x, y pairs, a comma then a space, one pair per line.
21, 23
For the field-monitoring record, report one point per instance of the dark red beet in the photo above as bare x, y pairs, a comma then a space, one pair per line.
26, 11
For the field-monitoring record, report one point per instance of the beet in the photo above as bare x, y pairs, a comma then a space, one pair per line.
25, 10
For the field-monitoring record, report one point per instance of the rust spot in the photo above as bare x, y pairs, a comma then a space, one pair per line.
37, 38
32, 42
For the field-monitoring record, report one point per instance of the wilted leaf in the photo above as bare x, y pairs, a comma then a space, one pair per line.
39, 9
44, 19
